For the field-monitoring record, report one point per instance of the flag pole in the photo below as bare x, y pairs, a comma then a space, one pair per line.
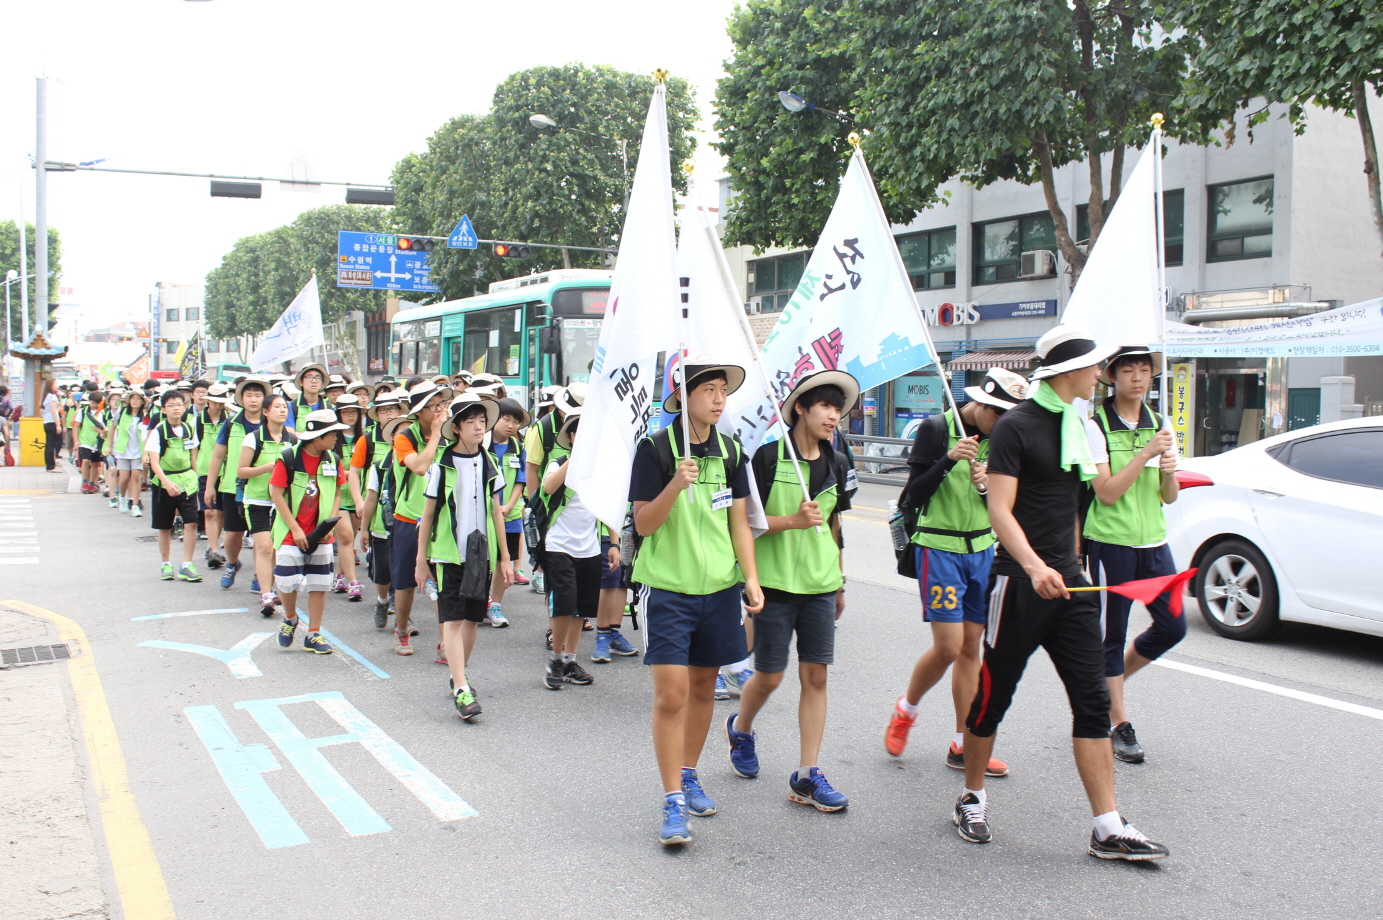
1155, 145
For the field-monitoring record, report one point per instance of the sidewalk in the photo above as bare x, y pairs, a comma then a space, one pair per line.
49, 864
35, 480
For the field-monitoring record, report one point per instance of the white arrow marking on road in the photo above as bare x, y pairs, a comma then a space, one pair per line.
237, 657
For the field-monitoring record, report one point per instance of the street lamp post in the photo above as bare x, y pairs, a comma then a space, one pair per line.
541, 121
10, 277
795, 103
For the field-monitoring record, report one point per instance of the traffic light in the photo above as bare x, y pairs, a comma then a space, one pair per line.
511, 250
414, 244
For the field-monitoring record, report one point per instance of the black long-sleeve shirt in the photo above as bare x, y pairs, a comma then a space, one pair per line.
928, 462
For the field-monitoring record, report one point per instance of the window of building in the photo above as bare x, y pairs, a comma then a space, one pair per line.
772, 281
1173, 224
930, 258
1241, 221
1000, 244
192, 313
171, 314
170, 348
213, 347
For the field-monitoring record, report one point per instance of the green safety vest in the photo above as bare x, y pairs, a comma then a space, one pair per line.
234, 441
384, 469
120, 438
205, 452
1136, 519
343, 452
510, 467
87, 435
408, 485
955, 518
441, 542
298, 483
556, 502
175, 458
257, 487
692, 552
799, 561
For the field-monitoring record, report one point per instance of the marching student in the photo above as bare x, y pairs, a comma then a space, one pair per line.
209, 422
572, 561
115, 409
349, 412
91, 427
801, 572
509, 460
953, 550
306, 488
127, 447
309, 381
1039, 456
373, 454
539, 440
171, 447
260, 452
1125, 529
222, 482
458, 536
416, 447
335, 386
690, 567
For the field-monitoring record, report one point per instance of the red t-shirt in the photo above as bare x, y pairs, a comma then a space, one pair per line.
310, 503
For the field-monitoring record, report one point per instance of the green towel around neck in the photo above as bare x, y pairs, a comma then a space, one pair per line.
1075, 449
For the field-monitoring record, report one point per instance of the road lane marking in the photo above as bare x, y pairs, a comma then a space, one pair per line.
143, 893
1304, 697
239, 657
191, 613
354, 654
23, 561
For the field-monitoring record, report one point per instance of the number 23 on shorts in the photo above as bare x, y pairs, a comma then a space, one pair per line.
944, 598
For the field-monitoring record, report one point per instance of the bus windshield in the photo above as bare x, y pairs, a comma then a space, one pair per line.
579, 338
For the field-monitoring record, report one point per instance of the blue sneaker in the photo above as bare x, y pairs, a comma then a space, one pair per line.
735, 680
620, 645
601, 652
815, 790
674, 831
743, 760
286, 633
228, 576
722, 691
698, 802
254, 586
314, 643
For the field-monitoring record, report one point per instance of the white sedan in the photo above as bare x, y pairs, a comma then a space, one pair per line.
1287, 528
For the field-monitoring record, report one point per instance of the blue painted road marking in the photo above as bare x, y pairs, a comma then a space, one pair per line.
337, 643
237, 657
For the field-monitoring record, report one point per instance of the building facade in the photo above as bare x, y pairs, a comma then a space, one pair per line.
1277, 222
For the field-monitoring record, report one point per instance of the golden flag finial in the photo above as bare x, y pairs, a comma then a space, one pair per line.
854, 139
1157, 120
688, 167
660, 75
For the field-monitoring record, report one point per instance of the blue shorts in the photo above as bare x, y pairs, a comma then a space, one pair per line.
403, 555
609, 579
954, 586
695, 630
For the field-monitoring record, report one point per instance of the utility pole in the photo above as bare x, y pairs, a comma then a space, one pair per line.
41, 210
23, 271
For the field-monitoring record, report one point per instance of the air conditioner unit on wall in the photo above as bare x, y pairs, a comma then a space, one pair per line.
753, 306
1040, 263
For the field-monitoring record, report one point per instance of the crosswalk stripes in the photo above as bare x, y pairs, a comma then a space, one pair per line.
18, 533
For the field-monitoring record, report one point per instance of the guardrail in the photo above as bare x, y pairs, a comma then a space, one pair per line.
883, 461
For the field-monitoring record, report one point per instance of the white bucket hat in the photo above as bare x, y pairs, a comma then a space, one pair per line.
1001, 388
1068, 347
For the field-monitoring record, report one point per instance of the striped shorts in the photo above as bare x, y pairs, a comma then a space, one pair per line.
296, 571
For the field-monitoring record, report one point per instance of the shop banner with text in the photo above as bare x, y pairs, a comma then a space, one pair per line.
1345, 332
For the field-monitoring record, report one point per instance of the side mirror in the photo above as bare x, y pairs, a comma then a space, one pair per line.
548, 341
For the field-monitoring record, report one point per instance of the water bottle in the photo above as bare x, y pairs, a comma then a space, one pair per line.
897, 528
430, 589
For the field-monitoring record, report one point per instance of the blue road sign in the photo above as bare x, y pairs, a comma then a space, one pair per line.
373, 261
464, 236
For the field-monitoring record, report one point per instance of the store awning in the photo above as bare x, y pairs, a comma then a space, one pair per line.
984, 360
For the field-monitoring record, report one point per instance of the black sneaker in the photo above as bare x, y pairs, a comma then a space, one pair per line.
1129, 844
381, 614
1126, 746
555, 675
573, 673
466, 705
548, 641
972, 819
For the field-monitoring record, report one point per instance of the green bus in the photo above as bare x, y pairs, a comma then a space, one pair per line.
533, 332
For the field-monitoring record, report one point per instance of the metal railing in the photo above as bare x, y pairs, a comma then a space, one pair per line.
880, 460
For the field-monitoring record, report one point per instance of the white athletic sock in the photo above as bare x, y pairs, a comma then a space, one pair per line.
908, 708
555, 656
1108, 824
960, 741
979, 794
568, 656
744, 665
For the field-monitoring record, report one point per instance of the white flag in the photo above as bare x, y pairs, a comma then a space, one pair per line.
641, 318
295, 333
1118, 297
854, 310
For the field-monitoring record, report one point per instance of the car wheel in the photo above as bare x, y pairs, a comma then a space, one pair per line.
1238, 592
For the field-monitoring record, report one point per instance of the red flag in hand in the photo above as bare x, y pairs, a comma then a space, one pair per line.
1148, 590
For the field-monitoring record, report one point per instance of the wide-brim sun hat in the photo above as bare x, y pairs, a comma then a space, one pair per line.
361, 386
1068, 347
572, 396
348, 401
298, 377
1001, 389
464, 376
424, 393
694, 369
219, 393
261, 382
1129, 351
317, 423
387, 398
287, 388
394, 426
334, 382
545, 396
464, 402
847, 383
564, 434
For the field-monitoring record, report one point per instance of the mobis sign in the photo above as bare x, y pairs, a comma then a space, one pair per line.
970, 312
952, 314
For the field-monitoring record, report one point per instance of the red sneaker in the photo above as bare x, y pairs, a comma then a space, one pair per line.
896, 737
955, 759
520, 578
441, 654
401, 644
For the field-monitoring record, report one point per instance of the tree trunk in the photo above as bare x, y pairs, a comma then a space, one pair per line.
1073, 256
1361, 114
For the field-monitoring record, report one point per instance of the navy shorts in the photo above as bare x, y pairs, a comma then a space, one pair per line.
232, 514
954, 586
403, 555
696, 630
379, 561
609, 579
811, 616
1111, 564
201, 497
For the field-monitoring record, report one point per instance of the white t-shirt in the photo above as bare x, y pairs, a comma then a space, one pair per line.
471, 506
133, 449
153, 443
574, 531
50, 409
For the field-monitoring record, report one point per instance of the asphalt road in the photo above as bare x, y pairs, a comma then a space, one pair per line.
1267, 803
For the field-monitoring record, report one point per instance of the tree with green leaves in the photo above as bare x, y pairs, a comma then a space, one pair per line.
972, 89
523, 183
1253, 54
9, 261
